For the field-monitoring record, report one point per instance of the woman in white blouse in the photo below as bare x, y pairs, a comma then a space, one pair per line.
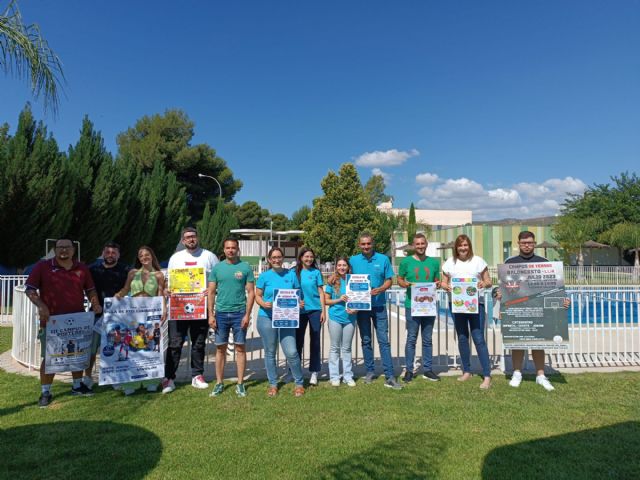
465, 264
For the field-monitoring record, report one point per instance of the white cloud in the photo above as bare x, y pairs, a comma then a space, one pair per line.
385, 176
522, 200
390, 158
427, 178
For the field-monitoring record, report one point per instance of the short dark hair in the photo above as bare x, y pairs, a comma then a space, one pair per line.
187, 230
65, 237
365, 234
231, 239
111, 245
420, 235
526, 234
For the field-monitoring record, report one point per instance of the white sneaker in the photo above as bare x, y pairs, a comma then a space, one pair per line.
544, 381
350, 382
88, 381
168, 386
335, 383
198, 382
313, 380
516, 379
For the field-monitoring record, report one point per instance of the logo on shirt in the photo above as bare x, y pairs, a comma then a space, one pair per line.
238, 275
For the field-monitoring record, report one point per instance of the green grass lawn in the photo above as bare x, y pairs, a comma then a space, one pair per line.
588, 428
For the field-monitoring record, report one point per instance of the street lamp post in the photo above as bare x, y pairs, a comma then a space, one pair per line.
215, 180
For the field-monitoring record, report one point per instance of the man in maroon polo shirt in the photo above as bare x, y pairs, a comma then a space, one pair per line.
57, 286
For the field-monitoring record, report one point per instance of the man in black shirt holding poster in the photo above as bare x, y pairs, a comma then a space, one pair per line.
526, 244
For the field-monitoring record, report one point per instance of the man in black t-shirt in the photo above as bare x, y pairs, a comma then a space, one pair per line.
109, 276
526, 244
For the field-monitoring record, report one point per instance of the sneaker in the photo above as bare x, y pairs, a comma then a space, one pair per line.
240, 390
516, 379
129, 391
168, 385
82, 390
198, 382
408, 376
45, 400
153, 387
369, 377
335, 383
392, 383
217, 390
313, 380
431, 376
544, 381
351, 382
88, 381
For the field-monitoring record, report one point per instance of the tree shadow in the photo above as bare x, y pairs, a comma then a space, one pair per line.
407, 456
607, 452
78, 449
16, 408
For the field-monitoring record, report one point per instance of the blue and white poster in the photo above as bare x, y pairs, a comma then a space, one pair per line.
358, 292
68, 346
131, 348
286, 308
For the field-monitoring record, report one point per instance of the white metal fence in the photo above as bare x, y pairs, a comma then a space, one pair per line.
7, 285
604, 331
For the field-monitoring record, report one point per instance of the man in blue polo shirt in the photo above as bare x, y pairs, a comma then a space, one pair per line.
378, 267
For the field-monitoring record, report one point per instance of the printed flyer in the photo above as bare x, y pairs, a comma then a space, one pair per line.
423, 300
286, 308
532, 307
358, 292
187, 280
68, 346
131, 347
188, 306
464, 295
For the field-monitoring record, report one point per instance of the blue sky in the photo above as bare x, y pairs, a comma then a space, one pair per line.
497, 106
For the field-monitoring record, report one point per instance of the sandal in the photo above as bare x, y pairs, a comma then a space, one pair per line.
299, 391
464, 377
272, 391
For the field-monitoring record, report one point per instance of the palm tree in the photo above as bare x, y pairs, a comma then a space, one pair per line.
24, 53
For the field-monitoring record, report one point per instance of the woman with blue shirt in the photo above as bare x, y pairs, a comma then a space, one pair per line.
342, 325
312, 314
276, 278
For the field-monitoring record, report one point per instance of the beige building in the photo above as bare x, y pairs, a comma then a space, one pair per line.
435, 218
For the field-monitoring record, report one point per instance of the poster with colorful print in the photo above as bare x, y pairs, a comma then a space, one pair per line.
187, 280
131, 347
464, 295
188, 306
532, 313
286, 308
423, 300
358, 292
68, 347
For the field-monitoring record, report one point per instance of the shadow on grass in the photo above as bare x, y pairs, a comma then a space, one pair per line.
406, 456
16, 408
78, 449
607, 452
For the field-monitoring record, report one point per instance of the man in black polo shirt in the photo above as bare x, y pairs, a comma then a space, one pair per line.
109, 276
526, 244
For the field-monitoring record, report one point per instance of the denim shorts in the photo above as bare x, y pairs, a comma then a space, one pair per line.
230, 321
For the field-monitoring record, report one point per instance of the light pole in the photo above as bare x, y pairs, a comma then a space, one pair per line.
270, 220
215, 180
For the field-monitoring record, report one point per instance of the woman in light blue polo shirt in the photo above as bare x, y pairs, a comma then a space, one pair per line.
342, 325
312, 314
275, 278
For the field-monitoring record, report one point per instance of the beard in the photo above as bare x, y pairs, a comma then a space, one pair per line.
110, 261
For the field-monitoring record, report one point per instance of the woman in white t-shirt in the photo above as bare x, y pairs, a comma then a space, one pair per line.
465, 264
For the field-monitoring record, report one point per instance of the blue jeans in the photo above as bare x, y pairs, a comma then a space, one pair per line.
464, 321
230, 321
313, 319
341, 335
415, 324
287, 338
377, 315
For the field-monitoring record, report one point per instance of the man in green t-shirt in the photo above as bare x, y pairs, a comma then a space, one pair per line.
418, 268
231, 295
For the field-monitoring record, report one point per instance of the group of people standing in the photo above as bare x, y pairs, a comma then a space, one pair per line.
58, 285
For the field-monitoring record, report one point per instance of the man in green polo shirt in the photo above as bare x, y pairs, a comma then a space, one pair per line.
418, 268
231, 295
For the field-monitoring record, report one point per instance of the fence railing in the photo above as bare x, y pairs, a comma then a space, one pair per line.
7, 285
604, 331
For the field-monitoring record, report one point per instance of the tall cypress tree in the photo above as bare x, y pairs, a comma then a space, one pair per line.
215, 226
412, 227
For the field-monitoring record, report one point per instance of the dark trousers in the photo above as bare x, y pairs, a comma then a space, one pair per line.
311, 318
178, 330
